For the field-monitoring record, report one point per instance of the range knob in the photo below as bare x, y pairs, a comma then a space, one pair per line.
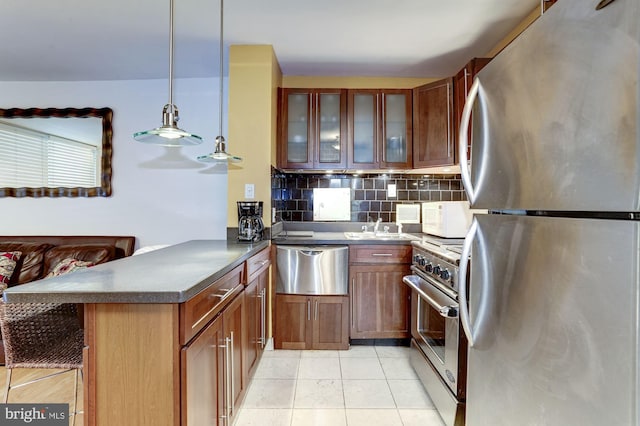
416, 258
445, 275
428, 267
422, 261
436, 270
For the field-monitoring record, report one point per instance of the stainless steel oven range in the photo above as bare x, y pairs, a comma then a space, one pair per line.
438, 342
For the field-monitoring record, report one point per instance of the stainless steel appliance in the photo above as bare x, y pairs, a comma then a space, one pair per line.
439, 355
553, 302
312, 269
250, 225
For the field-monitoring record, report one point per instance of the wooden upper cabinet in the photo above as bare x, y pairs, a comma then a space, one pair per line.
380, 129
546, 4
433, 138
461, 85
313, 128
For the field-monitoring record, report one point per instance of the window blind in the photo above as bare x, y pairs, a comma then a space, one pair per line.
33, 159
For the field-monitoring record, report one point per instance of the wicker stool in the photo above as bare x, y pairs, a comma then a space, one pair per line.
42, 335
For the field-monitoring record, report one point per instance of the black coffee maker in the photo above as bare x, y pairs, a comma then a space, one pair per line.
250, 226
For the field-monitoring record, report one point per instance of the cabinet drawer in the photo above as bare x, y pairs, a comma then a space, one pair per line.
380, 253
258, 263
204, 306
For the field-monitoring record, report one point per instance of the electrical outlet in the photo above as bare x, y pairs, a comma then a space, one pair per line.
249, 191
391, 190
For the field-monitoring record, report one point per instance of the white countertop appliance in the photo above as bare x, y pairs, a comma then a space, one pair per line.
447, 219
553, 301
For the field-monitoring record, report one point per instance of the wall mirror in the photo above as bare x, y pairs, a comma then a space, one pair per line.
52, 152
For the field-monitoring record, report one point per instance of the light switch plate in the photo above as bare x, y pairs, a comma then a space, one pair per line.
249, 191
391, 190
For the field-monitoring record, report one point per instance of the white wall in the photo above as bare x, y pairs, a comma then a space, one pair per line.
160, 195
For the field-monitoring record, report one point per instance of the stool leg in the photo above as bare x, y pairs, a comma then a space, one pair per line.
75, 397
8, 385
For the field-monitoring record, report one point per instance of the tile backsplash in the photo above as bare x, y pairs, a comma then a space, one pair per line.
292, 194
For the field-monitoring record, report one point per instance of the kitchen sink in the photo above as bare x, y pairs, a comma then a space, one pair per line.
379, 236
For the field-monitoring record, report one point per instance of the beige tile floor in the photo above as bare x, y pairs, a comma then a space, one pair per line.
365, 385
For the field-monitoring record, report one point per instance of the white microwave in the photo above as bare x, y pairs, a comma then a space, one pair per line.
447, 219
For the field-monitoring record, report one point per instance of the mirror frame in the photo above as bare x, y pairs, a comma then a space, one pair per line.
104, 190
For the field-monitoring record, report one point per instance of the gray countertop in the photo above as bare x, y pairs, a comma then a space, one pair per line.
170, 275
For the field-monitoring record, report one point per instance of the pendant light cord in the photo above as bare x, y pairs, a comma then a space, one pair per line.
221, 64
171, 53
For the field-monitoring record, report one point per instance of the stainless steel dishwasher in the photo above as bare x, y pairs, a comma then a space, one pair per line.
312, 269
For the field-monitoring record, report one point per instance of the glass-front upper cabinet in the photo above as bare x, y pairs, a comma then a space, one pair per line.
380, 129
313, 129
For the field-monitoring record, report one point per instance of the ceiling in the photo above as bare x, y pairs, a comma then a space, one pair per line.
128, 39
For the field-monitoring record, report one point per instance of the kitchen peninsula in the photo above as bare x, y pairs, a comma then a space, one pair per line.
151, 322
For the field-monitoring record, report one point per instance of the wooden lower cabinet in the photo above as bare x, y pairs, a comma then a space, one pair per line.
233, 324
311, 322
174, 363
380, 305
256, 301
330, 322
212, 370
204, 375
380, 301
256, 312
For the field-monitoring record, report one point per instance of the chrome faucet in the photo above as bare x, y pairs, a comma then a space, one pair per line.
376, 225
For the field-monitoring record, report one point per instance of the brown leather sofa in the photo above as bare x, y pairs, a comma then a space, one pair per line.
41, 254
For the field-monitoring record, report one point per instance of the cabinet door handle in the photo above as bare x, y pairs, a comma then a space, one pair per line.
225, 416
384, 131
449, 119
353, 303
261, 338
316, 132
261, 263
231, 371
263, 312
227, 387
308, 309
381, 254
311, 130
223, 297
315, 313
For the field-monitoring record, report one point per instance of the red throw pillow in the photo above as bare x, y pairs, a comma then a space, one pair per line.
68, 265
8, 261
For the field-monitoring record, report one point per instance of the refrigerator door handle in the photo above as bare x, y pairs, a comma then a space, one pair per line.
463, 139
462, 274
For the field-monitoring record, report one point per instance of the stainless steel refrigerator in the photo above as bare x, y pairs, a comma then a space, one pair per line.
553, 299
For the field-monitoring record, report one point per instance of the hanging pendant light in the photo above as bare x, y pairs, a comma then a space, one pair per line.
220, 153
169, 134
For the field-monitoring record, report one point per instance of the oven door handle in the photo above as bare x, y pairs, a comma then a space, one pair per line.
447, 311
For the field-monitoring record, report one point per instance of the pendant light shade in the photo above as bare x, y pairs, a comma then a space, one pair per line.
220, 153
169, 134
